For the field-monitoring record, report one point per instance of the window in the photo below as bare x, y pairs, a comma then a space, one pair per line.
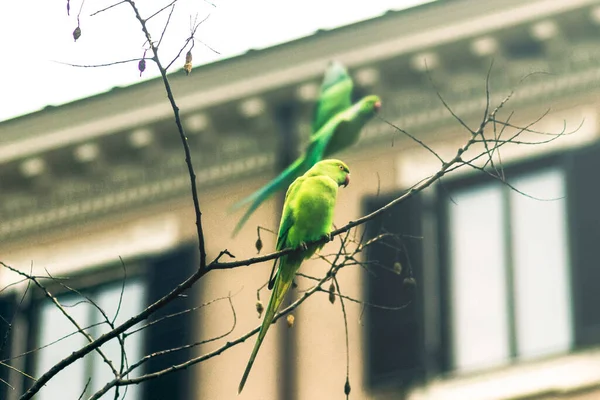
53, 325
478, 286
501, 277
394, 339
509, 271
541, 266
7, 312
147, 281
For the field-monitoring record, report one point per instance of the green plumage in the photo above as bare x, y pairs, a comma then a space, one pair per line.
307, 216
335, 95
337, 125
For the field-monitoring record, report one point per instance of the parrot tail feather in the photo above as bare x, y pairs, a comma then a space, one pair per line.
279, 291
283, 180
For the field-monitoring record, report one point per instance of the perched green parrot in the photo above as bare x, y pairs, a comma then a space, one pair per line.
307, 216
336, 126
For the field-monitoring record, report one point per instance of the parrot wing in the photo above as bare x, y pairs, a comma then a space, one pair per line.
320, 144
284, 179
287, 221
314, 153
335, 95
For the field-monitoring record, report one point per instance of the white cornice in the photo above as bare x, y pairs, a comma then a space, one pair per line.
447, 22
548, 378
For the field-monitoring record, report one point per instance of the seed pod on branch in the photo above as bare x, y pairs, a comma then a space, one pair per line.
188, 62
259, 308
397, 268
258, 245
347, 387
290, 320
331, 293
77, 33
409, 285
142, 65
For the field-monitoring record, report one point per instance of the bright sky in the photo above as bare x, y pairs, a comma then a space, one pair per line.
39, 33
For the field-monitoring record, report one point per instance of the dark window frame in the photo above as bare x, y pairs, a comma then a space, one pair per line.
159, 280
8, 308
443, 197
580, 166
384, 288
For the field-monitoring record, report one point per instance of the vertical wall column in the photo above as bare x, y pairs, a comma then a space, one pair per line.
286, 118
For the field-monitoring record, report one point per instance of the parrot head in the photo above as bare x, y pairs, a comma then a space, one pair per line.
335, 169
370, 105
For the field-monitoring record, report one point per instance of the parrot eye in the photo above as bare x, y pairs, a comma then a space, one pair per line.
341, 167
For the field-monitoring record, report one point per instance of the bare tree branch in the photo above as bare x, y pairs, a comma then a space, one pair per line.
347, 384
107, 8
65, 313
182, 135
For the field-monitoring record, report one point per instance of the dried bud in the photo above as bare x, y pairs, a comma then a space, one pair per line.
347, 387
77, 33
290, 320
409, 284
188, 63
331, 293
142, 65
259, 308
397, 268
258, 245
294, 284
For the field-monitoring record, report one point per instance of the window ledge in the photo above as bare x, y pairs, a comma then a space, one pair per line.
557, 375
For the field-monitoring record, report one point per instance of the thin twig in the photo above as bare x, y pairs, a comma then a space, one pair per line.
420, 142
347, 384
107, 8
188, 346
166, 25
65, 313
110, 64
85, 388
159, 11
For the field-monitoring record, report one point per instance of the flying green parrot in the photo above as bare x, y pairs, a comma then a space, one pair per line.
307, 216
336, 126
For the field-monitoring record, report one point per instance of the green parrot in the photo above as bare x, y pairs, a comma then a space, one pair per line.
338, 124
307, 216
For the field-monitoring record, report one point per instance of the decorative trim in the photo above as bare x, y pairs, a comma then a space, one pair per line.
126, 195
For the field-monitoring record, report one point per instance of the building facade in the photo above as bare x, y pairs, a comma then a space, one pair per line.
506, 302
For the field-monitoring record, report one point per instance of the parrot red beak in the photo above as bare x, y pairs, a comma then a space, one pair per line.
377, 106
347, 180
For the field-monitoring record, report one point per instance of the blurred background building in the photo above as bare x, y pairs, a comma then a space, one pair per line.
508, 287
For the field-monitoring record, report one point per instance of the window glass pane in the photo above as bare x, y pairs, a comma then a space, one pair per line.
53, 325
69, 383
478, 280
541, 267
133, 302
